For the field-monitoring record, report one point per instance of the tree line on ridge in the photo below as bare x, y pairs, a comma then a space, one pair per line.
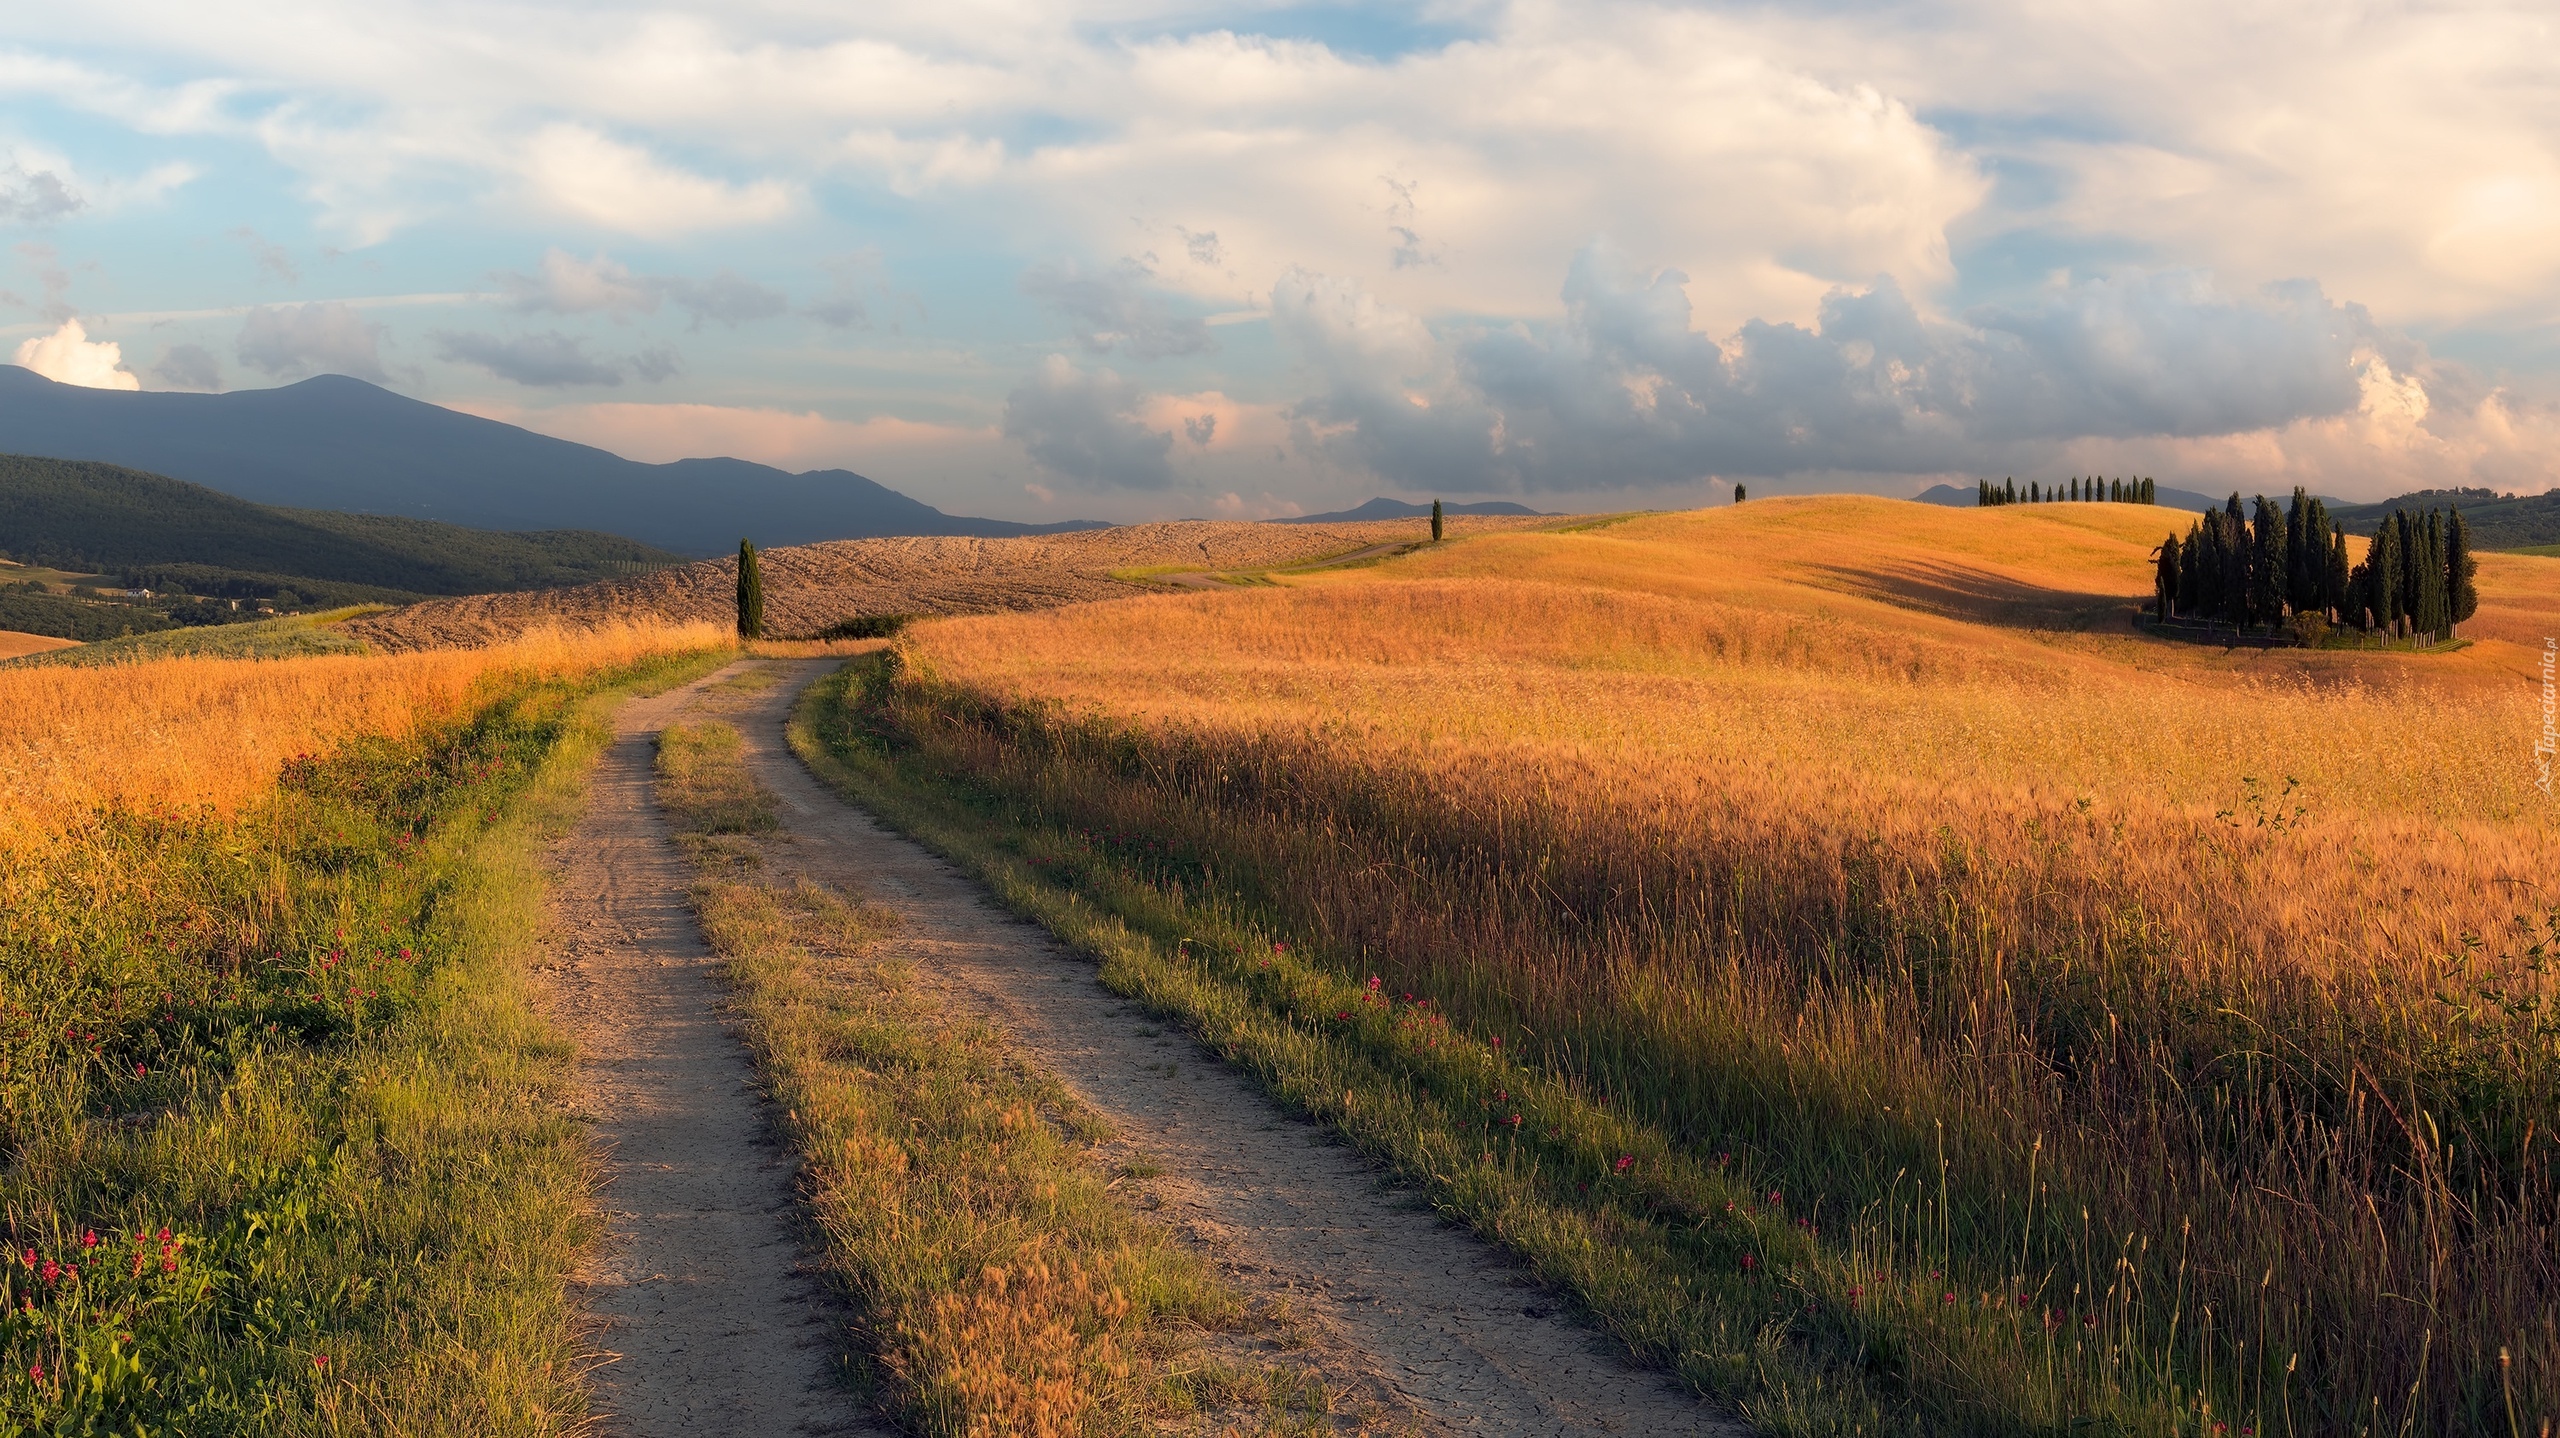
2092, 489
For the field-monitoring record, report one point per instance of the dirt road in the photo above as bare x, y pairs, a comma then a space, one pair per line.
699, 1291
1421, 1315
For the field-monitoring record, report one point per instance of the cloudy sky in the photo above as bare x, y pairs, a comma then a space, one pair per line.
1138, 260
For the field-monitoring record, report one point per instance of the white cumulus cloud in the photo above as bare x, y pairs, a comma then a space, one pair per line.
69, 356
575, 171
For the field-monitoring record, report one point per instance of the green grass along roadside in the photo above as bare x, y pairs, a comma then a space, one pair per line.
1693, 1263
287, 1149
1000, 1285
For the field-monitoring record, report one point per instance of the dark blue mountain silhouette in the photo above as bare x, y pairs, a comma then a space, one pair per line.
339, 443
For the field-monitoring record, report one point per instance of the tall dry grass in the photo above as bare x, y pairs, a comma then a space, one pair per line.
214, 733
1859, 841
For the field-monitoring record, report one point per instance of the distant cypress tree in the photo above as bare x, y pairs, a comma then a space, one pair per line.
2462, 592
2009, 490
2410, 547
2382, 574
750, 593
2075, 488
2335, 593
2297, 552
1982, 494
1435, 521
2164, 583
2267, 563
1739, 494
2197, 589
2439, 600
2149, 494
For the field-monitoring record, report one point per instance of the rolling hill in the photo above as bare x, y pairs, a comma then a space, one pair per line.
1385, 508
337, 443
88, 516
2509, 521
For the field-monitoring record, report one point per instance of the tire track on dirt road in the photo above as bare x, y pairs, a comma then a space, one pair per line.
1422, 1314
708, 1321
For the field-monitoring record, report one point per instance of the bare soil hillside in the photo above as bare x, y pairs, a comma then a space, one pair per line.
814, 587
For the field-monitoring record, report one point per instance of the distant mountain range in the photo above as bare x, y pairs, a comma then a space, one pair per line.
1385, 508
1958, 497
339, 443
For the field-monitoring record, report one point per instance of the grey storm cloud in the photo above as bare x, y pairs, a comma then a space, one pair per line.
1083, 427
327, 338
1115, 311
190, 367
33, 197
1625, 392
549, 360
564, 284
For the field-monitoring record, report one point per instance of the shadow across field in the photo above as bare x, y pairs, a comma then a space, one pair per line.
1979, 596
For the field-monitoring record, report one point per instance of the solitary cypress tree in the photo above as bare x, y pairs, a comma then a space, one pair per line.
750, 593
1738, 495
2462, 593
2165, 583
1435, 521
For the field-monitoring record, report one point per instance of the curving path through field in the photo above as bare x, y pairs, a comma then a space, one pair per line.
706, 1321
1413, 1316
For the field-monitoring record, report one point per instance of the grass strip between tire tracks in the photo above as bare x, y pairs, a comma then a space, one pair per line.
1000, 1287
1747, 1307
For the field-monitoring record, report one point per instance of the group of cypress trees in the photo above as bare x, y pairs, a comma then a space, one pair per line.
2079, 491
2279, 560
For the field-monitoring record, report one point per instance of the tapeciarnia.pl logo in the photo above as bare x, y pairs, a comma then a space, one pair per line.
2545, 747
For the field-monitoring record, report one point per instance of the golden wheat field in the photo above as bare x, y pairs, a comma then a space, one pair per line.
213, 732
1839, 828
1820, 643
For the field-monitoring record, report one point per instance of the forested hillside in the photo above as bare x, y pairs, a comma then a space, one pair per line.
73, 514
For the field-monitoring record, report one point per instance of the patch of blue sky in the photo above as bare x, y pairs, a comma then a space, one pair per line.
1997, 264
1378, 33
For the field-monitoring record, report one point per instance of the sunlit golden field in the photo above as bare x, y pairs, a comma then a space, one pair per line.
190, 731
1847, 667
1861, 836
